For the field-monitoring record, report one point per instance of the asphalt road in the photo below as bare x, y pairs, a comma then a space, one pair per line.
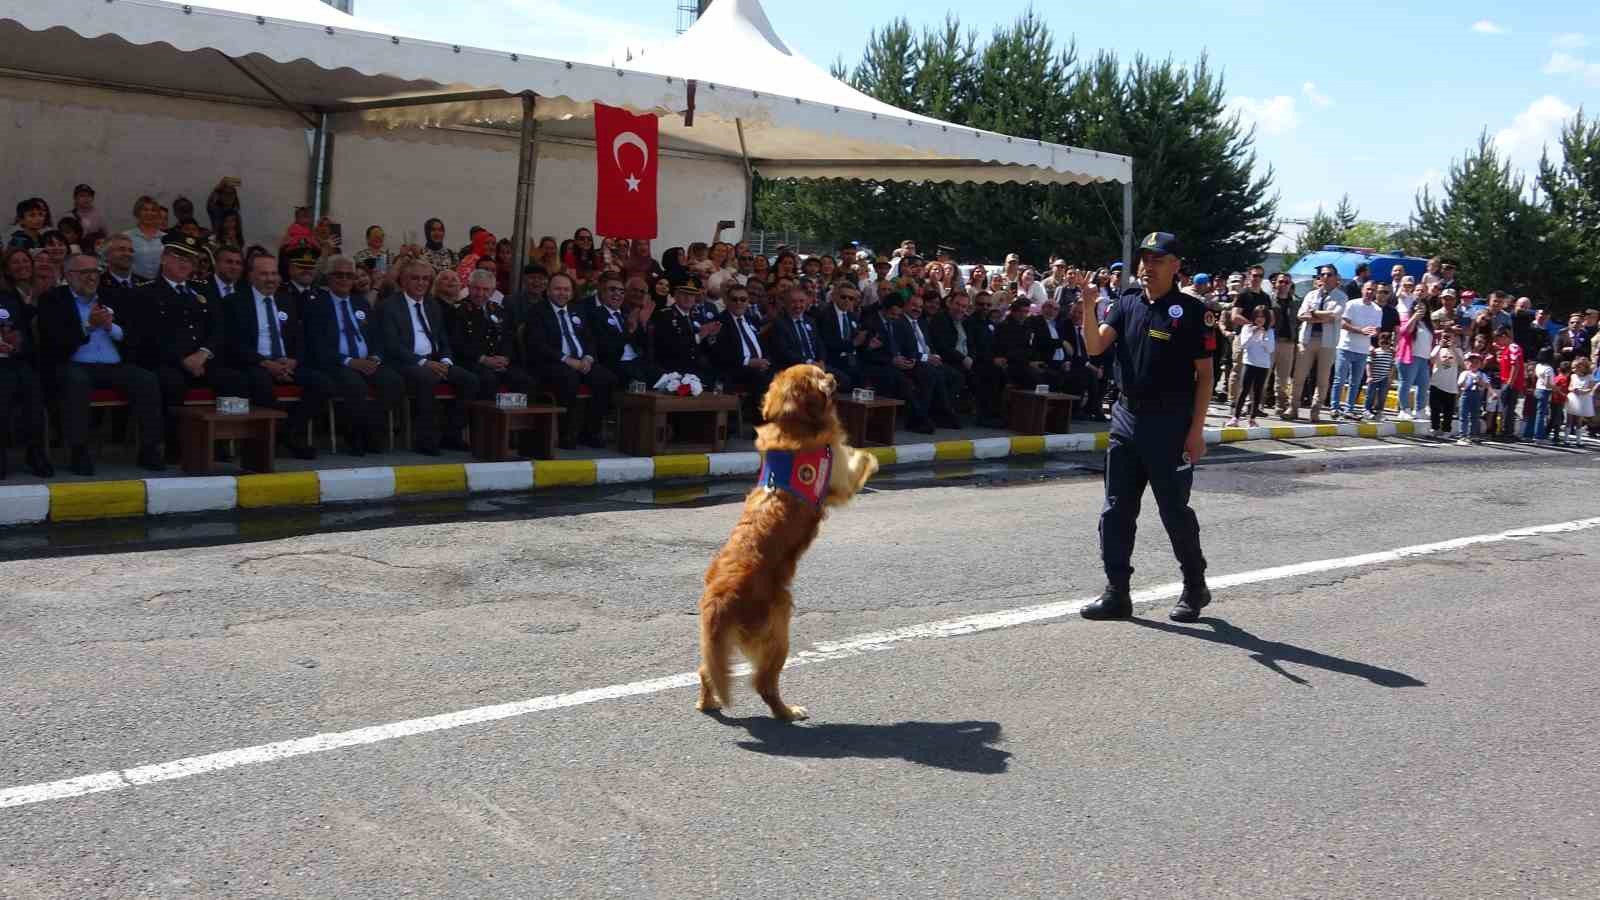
1427, 726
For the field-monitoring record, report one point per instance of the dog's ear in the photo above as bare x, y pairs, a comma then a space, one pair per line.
779, 400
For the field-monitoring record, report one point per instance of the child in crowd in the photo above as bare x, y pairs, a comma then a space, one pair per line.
1380, 365
1536, 427
1444, 386
1258, 339
1472, 386
1580, 398
1482, 346
1558, 401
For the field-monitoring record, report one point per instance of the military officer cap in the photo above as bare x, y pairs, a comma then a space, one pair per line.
1159, 242
303, 254
183, 245
688, 284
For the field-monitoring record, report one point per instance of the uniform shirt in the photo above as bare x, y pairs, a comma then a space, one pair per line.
1157, 344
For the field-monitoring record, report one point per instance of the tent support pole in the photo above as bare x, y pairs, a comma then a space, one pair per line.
1129, 267
749, 181
321, 171
527, 170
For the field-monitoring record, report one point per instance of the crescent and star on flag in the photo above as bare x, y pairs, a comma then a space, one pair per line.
622, 140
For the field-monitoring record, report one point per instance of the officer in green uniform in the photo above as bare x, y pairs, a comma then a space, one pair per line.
1161, 340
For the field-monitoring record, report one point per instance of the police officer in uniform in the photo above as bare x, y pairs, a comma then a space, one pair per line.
1162, 340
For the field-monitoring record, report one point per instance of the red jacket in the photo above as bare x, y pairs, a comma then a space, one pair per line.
1512, 374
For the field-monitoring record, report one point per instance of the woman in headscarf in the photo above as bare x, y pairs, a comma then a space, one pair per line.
482, 247
434, 252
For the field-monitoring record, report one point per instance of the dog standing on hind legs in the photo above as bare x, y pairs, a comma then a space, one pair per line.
806, 468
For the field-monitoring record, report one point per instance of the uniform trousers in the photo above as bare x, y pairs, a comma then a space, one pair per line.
77, 380
177, 381
491, 381
20, 392
1147, 450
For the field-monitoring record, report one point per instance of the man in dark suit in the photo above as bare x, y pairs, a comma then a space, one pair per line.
741, 361
178, 334
266, 343
1572, 342
561, 353
1087, 370
83, 346
944, 381
793, 338
890, 350
484, 333
416, 343
1014, 350
228, 277
621, 330
678, 338
1052, 341
963, 343
20, 390
845, 337
344, 341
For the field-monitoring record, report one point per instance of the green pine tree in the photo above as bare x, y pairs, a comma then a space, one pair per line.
1572, 190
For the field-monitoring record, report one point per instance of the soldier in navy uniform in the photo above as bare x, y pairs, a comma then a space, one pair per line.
1162, 340
678, 337
561, 352
484, 335
266, 343
178, 334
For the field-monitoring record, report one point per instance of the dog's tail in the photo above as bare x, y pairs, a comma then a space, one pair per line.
716, 653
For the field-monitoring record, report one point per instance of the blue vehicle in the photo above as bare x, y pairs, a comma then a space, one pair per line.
1345, 259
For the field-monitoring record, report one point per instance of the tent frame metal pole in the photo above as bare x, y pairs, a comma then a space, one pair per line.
321, 171
527, 171
749, 181
1129, 267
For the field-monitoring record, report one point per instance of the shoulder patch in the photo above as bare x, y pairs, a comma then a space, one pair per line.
1211, 319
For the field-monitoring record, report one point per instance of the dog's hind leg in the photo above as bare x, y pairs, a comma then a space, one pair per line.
768, 652
714, 664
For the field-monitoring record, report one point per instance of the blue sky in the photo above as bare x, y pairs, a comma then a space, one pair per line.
1367, 98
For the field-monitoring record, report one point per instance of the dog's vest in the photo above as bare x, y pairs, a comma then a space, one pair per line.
803, 474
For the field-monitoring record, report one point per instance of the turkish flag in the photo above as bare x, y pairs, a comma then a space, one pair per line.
625, 152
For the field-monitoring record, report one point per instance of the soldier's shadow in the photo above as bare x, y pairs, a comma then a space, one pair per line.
1272, 653
956, 746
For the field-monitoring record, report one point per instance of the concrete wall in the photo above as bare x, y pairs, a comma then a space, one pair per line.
128, 144
400, 178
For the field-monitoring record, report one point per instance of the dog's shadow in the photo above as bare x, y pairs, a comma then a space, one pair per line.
955, 746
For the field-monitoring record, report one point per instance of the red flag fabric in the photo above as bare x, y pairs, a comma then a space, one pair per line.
625, 150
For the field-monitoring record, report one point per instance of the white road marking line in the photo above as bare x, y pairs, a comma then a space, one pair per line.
829, 651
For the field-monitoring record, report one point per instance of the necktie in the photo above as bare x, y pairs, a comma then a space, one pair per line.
272, 328
422, 316
566, 332
352, 335
805, 338
744, 338
616, 320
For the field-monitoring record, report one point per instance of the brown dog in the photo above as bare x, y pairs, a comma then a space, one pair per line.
747, 601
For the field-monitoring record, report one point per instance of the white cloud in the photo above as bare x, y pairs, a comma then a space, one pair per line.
1566, 64
1572, 40
1316, 98
1525, 138
1272, 115
1485, 26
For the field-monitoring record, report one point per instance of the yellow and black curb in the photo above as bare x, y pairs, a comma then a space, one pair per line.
74, 502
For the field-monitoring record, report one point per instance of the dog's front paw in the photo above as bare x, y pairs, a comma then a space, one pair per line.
794, 714
707, 706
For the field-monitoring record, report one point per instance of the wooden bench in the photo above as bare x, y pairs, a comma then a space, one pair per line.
493, 426
651, 423
869, 423
200, 427
1033, 413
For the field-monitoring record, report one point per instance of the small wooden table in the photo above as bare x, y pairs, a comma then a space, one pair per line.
1033, 413
200, 427
492, 428
870, 423
653, 422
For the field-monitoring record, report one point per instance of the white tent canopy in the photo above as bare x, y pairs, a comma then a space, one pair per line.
752, 98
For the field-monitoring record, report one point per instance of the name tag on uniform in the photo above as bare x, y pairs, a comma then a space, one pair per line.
1160, 335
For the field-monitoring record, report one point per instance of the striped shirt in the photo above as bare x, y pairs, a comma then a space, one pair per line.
1379, 364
